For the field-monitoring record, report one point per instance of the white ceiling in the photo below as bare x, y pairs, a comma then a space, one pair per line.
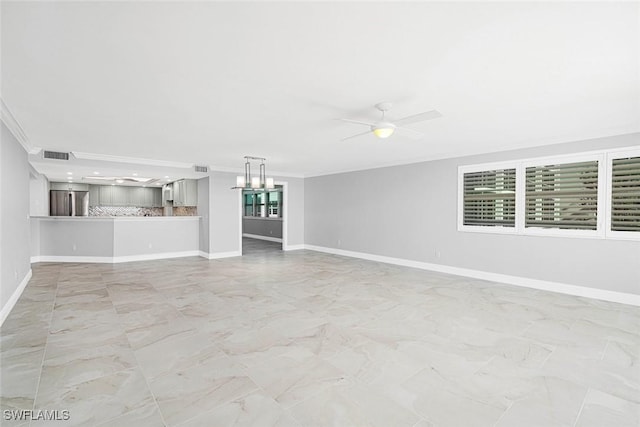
211, 82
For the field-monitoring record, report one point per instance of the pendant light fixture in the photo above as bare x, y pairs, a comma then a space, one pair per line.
248, 182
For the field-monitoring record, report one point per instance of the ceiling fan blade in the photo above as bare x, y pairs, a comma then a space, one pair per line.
420, 117
356, 135
358, 122
411, 133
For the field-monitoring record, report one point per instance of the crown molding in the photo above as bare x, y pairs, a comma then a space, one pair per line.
275, 174
14, 127
131, 160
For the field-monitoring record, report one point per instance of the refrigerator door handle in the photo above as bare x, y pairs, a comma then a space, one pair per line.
72, 204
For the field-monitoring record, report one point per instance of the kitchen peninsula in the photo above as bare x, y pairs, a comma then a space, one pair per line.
113, 239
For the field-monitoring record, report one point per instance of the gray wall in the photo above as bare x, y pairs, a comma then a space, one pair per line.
294, 209
133, 237
262, 227
225, 212
85, 237
224, 224
410, 212
15, 230
204, 213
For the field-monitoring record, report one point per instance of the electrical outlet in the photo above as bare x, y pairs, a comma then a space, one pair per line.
150, 246
74, 247
339, 242
437, 253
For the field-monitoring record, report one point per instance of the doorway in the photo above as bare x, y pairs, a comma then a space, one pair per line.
263, 221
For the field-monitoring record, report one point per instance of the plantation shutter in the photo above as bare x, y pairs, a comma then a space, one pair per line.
625, 194
562, 196
490, 198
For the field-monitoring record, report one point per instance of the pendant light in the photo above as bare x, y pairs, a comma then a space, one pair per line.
260, 182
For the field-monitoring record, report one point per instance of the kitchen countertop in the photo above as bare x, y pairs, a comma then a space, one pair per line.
119, 218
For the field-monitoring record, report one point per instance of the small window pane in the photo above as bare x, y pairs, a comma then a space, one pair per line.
625, 194
563, 196
490, 198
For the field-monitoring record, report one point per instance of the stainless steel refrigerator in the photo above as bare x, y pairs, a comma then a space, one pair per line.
68, 203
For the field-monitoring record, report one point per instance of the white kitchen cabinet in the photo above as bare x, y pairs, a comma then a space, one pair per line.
139, 196
156, 197
94, 195
120, 195
106, 195
66, 186
185, 192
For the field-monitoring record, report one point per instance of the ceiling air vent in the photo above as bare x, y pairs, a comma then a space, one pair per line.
202, 169
56, 155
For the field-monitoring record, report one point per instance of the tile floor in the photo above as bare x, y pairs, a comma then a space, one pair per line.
309, 339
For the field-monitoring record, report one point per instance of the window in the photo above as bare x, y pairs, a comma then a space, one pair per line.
593, 195
625, 194
563, 196
258, 203
490, 198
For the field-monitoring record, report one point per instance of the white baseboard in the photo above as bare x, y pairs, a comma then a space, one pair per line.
58, 258
582, 291
151, 257
218, 255
259, 237
293, 247
13, 299
113, 260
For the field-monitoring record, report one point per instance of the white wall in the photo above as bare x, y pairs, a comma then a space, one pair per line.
204, 213
15, 265
410, 212
38, 194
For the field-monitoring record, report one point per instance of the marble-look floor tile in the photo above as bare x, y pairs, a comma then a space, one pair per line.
552, 402
290, 380
98, 400
304, 338
176, 354
146, 416
349, 404
70, 365
182, 395
253, 410
446, 402
156, 333
603, 409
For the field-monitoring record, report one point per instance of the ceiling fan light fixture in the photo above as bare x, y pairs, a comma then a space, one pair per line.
383, 132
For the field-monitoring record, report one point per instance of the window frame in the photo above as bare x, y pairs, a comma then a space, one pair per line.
603, 228
498, 229
610, 157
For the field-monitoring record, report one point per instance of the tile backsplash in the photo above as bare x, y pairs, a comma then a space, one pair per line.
185, 211
135, 211
124, 211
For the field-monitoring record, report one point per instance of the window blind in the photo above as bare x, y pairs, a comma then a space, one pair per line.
490, 198
562, 196
625, 194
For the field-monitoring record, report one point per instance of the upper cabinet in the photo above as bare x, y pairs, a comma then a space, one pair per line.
117, 195
185, 192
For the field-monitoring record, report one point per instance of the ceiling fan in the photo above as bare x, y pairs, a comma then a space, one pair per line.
384, 128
